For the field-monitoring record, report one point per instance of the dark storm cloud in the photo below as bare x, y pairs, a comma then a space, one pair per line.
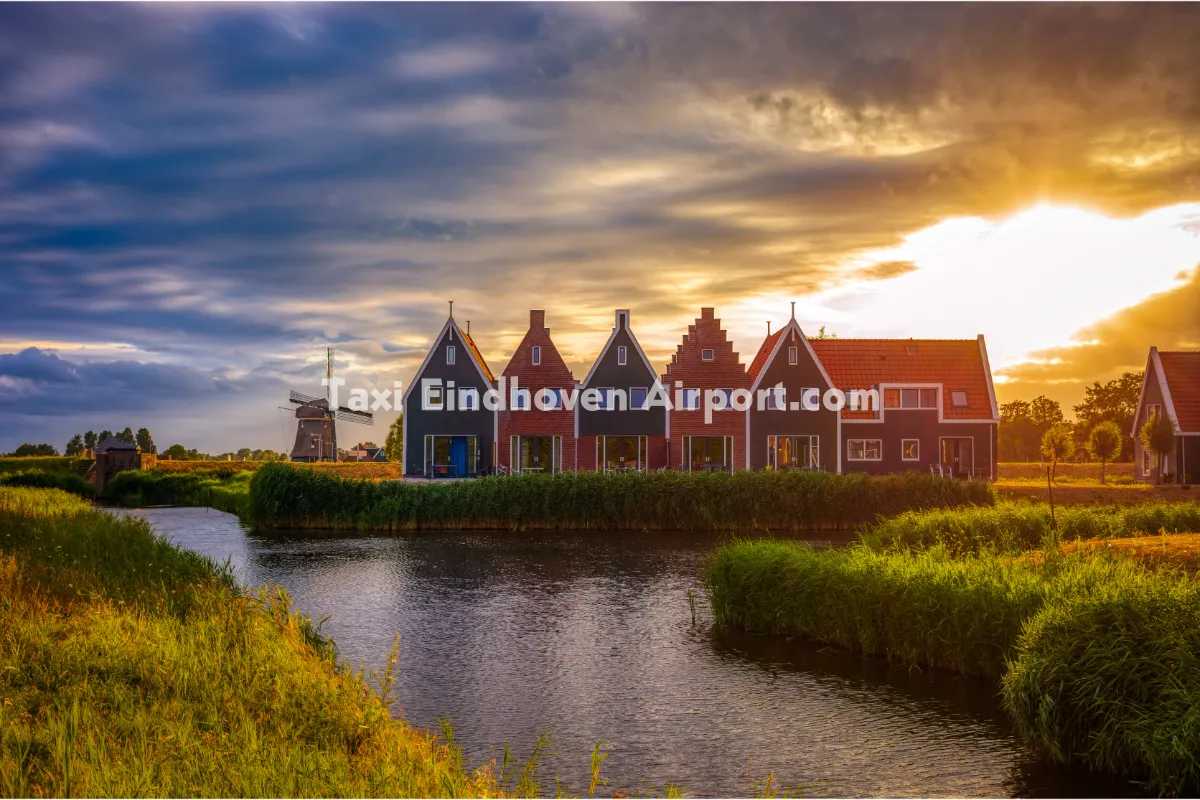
230, 187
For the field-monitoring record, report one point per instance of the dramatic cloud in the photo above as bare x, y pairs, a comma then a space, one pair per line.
223, 190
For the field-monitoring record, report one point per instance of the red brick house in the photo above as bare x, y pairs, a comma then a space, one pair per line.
705, 360
938, 405
532, 439
1171, 386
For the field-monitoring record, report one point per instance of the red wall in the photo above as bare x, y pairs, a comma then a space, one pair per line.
552, 372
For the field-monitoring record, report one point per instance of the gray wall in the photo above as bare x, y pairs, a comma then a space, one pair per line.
631, 422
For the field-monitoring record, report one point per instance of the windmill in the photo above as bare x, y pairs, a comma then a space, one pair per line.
316, 428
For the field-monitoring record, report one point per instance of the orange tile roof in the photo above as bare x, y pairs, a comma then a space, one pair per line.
764, 354
478, 356
1182, 373
957, 364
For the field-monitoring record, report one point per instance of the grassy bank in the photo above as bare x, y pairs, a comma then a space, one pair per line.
225, 490
55, 464
287, 496
1015, 526
41, 479
1096, 654
130, 667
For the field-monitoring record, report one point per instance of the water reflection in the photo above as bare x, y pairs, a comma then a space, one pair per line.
589, 635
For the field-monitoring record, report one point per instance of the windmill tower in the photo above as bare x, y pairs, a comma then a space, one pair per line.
316, 426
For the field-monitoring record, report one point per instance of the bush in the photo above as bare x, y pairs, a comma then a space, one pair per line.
226, 490
1014, 527
291, 496
36, 478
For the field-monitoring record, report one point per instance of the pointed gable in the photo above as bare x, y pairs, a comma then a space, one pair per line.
551, 371
1181, 374
623, 331
724, 369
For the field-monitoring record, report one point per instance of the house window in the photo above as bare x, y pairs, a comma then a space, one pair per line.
910, 398
793, 355
929, 398
433, 398
621, 355
793, 452
776, 399
891, 398
468, 399
958, 398
552, 398
450, 355
1152, 411
864, 449
1146, 462
606, 398
637, 396
706, 355
537, 355
910, 449
691, 399
521, 400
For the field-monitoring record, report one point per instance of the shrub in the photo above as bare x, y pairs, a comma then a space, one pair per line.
36, 478
291, 496
226, 490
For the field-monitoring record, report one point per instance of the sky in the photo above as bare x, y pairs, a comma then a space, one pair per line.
196, 199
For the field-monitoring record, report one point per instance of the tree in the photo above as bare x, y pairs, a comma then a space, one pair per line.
90, 441
393, 446
1105, 443
127, 436
104, 435
144, 441
75, 446
1114, 401
243, 454
176, 452
1158, 436
821, 334
1058, 444
1045, 413
35, 450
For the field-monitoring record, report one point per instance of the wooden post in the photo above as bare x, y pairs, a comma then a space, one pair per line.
1050, 492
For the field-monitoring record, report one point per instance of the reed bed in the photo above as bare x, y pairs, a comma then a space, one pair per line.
225, 490
1097, 655
288, 496
46, 464
41, 479
129, 667
1016, 527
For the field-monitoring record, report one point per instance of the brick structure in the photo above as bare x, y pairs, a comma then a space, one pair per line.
536, 440
705, 360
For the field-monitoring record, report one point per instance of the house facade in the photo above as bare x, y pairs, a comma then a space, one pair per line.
705, 361
792, 429
1171, 386
930, 405
447, 431
613, 431
532, 438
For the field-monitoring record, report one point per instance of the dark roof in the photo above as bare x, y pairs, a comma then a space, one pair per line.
478, 356
1181, 371
957, 364
764, 354
113, 443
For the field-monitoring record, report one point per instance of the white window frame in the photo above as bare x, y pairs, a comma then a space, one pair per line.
913, 392
468, 398
428, 404
793, 355
536, 355
637, 406
449, 355
707, 354
966, 403
607, 395
622, 355
904, 449
864, 442
691, 399
523, 399
814, 449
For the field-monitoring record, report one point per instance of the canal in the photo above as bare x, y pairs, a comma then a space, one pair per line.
590, 636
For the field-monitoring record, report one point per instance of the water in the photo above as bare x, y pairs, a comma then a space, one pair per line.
589, 635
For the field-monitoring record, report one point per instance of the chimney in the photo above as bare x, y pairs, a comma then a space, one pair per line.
622, 317
537, 320
707, 313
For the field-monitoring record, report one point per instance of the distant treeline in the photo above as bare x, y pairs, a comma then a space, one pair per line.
1023, 423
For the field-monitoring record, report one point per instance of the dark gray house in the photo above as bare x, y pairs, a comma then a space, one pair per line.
1171, 386
620, 434
793, 429
447, 430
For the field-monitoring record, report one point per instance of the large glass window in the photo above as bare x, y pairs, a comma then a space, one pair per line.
621, 453
451, 456
707, 453
794, 452
864, 449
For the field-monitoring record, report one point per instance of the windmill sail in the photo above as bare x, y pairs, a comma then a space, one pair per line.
316, 429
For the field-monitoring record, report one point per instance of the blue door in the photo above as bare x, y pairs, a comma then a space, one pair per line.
458, 456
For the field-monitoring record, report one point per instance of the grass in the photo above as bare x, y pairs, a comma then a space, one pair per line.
130, 667
225, 490
36, 478
369, 470
45, 464
288, 496
1013, 527
1097, 655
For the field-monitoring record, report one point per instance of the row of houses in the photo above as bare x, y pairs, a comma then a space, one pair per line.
934, 406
